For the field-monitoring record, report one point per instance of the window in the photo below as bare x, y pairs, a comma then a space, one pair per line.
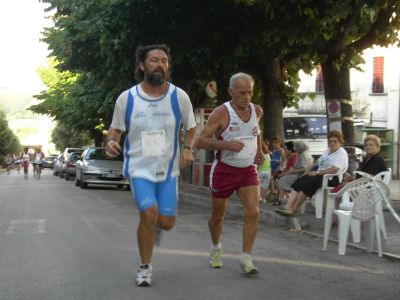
378, 71
319, 81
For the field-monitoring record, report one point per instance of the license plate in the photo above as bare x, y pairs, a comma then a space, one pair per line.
110, 175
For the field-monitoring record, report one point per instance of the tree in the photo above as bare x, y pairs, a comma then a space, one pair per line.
9, 142
71, 100
98, 38
63, 137
333, 33
346, 29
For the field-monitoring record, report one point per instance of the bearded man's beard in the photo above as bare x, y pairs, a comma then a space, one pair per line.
155, 78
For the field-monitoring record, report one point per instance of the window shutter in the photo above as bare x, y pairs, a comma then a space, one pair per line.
378, 71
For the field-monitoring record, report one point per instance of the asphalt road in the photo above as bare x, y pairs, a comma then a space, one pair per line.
60, 242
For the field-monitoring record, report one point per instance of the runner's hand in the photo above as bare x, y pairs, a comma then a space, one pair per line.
259, 159
186, 158
234, 146
112, 149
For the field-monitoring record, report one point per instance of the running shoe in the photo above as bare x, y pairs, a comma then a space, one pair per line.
215, 258
144, 276
247, 265
158, 234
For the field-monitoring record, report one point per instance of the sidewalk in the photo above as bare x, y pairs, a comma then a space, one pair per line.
200, 196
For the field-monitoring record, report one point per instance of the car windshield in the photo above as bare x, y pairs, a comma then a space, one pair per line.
100, 154
305, 127
74, 157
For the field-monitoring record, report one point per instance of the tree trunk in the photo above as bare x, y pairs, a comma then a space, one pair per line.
338, 99
98, 137
271, 79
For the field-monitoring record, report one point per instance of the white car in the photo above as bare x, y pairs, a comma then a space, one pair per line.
95, 168
310, 128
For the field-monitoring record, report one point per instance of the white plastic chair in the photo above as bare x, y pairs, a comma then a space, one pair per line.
366, 194
345, 204
321, 194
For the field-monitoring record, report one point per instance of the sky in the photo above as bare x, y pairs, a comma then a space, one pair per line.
21, 52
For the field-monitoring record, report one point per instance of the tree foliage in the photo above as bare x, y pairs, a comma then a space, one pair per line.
210, 40
63, 137
9, 142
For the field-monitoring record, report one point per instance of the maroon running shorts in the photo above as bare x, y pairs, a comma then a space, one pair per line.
225, 179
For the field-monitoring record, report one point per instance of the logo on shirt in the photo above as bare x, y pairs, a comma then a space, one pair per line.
255, 131
161, 114
160, 173
234, 128
153, 105
140, 114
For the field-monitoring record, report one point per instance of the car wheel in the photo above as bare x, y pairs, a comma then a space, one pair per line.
84, 185
55, 173
66, 176
61, 174
128, 187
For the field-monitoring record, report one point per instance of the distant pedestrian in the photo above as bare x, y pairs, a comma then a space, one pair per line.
25, 158
8, 161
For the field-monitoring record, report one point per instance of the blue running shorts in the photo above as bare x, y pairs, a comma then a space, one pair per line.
162, 194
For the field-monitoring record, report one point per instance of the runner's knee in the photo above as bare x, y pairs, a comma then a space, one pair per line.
252, 214
166, 223
217, 217
149, 217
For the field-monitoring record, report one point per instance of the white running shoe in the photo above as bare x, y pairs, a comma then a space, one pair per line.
215, 260
158, 234
247, 265
144, 276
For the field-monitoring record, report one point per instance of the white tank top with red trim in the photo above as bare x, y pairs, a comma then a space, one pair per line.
246, 132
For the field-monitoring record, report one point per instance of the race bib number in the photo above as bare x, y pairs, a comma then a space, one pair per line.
153, 143
249, 149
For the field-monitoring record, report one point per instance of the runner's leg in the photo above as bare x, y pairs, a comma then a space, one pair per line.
217, 217
249, 196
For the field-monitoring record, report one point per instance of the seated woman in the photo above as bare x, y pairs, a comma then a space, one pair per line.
333, 160
302, 165
372, 164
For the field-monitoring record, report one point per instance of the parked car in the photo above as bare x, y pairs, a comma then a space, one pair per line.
57, 168
48, 162
95, 168
67, 152
68, 166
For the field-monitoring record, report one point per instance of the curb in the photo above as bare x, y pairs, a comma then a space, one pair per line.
200, 196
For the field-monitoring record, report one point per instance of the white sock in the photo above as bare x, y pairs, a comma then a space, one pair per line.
245, 254
217, 246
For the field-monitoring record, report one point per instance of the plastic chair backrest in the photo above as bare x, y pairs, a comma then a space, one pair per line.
384, 176
365, 194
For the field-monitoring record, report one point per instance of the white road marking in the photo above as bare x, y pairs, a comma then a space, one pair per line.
282, 261
27, 226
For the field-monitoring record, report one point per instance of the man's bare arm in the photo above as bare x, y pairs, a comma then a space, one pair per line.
112, 145
216, 122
